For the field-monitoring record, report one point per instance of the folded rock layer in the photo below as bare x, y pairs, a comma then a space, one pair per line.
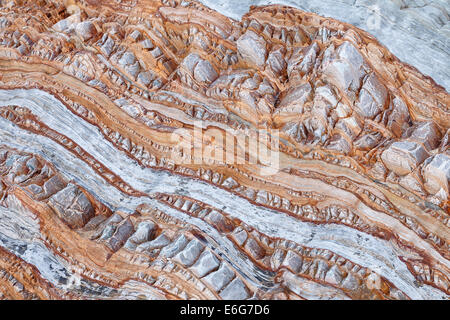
100, 199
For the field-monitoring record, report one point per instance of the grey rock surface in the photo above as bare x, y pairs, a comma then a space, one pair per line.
205, 264
123, 231
72, 205
252, 47
236, 290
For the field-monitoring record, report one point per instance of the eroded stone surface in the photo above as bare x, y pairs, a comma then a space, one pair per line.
437, 174
92, 95
252, 47
403, 157
72, 205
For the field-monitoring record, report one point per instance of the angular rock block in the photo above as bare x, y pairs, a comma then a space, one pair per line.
72, 206
404, 156
437, 174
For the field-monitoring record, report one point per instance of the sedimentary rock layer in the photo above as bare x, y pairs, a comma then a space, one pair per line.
402, 26
102, 198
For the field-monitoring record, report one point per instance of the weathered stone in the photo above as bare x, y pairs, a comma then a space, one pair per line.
72, 205
127, 58
399, 117
436, 174
277, 258
293, 261
135, 35
123, 231
276, 60
190, 61
426, 133
53, 185
107, 47
302, 60
319, 270
372, 97
236, 290
156, 52
404, 156
297, 95
230, 183
189, 254
204, 72
220, 278
144, 232
412, 182
86, 30
348, 52
309, 59
219, 221
69, 108
261, 197
94, 223
205, 264
175, 247
108, 232
350, 282
147, 44
252, 48
133, 69
159, 242
254, 249
334, 276
350, 126
368, 141
346, 71
145, 78
240, 236
339, 143
66, 25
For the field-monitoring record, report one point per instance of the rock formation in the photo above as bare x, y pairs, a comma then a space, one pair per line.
102, 198
401, 25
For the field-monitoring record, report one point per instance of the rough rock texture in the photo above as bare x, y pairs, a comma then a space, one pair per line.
72, 206
101, 103
404, 156
252, 48
401, 25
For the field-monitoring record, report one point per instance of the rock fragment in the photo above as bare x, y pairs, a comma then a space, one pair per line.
72, 205
252, 48
402, 157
